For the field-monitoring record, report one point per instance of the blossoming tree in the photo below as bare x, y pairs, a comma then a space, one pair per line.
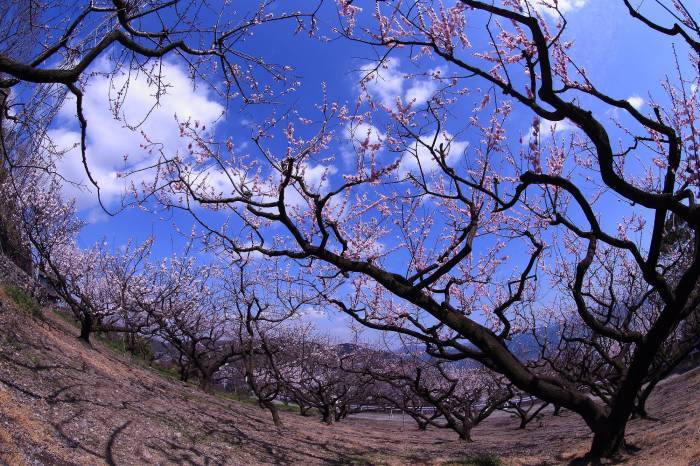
454, 244
449, 226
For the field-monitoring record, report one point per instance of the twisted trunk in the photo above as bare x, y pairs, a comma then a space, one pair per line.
608, 439
205, 382
270, 406
86, 328
640, 406
327, 414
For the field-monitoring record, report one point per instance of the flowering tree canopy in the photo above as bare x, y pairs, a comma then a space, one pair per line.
442, 222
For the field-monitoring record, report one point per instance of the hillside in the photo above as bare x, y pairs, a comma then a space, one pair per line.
64, 403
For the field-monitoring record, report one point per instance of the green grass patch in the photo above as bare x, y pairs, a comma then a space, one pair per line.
240, 398
475, 460
23, 301
140, 348
289, 407
67, 317
165, 372
142, 354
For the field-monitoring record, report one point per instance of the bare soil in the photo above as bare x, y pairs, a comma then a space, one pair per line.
64, 403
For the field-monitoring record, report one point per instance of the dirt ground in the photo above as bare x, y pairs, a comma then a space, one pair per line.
64, 403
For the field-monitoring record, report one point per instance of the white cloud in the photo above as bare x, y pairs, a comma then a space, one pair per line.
357, 135
419, 157
214, 181
361, 132
549, 128
316, 176
636, 102
421, 91
565, 6
388, 82
312, 313
571, 5
109, 139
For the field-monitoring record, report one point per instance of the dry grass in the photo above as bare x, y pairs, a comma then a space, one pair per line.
62, 402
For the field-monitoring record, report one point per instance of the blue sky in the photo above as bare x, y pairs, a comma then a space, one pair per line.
622, 56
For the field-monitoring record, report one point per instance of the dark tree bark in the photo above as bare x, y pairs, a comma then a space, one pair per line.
465, 433
304, 410
270, 406
608, 439
327, 414
206, 382
86, 328
640, 406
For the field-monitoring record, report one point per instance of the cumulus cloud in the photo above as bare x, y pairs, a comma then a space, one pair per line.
385, 82
565, 6
312, 313
363, 133
316, 177
115, 134
358, 135
419, 157
549, 128
388, 82
214, 181
420, 91
636, 101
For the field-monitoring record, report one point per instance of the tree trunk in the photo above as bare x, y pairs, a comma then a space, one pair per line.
184, 368
130, 338
640, 411
341, 413
85, 328
327, 414
205, 383
640, 407
523, 422
274, 412
463, 427
609, 433
466, 434
608, 439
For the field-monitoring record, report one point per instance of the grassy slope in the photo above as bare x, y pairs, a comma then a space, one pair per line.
64, 403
